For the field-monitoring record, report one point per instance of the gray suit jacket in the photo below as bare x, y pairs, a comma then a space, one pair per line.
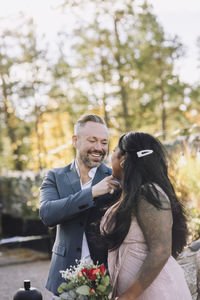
72, 210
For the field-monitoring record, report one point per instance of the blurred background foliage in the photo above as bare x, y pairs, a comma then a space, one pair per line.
119, 64
184, 170
19, 194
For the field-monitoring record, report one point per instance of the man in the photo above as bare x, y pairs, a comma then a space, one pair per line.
72, 198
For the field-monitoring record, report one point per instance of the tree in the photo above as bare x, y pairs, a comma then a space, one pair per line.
127, 64
37, 83
22, 81
12, 129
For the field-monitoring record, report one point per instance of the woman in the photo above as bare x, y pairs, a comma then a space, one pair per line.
146, 229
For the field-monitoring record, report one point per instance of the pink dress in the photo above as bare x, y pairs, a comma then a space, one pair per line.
125, 262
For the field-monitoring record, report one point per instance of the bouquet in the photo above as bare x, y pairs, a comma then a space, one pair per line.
85, 281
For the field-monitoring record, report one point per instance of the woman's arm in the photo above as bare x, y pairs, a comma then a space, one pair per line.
156, 225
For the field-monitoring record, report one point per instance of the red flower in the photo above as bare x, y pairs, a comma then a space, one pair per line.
95, 271
92, 275
102, 269
85, 272
92, 291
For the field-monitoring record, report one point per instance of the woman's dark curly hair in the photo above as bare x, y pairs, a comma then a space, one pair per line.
140, 175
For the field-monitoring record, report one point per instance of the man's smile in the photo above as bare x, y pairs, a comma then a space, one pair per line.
96, 154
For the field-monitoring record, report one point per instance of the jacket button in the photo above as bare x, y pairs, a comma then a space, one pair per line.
78, 249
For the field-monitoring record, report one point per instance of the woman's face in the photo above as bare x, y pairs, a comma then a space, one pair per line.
116, 159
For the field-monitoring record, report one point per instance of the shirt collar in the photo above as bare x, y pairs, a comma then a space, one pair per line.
91, 172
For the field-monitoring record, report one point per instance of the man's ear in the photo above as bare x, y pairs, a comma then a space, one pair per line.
74, 140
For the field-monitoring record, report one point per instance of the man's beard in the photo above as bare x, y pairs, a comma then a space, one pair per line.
89, 163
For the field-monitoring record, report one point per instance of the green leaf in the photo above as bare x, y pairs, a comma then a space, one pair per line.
70, 286
105, 280
101, 288
83, 290
62, 287
65, 287
60, 290
108, 290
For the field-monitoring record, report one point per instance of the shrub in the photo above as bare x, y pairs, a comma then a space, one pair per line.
185, 174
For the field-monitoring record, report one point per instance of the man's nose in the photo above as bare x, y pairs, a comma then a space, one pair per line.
98, 146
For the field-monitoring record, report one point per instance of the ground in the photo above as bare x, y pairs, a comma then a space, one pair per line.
16, 265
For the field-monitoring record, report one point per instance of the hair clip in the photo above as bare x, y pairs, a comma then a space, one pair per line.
144, 152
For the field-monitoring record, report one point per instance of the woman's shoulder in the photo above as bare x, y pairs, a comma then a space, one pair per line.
157, 192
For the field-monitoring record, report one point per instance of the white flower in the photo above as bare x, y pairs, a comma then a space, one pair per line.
71, 273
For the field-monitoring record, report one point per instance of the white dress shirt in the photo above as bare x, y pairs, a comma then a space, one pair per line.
85, 253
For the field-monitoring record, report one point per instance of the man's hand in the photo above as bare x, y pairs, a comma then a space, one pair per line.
107, 185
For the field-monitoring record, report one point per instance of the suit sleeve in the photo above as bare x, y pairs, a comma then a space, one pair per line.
55, 210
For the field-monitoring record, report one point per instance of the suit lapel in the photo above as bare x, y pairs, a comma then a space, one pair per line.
101, 173
73, 178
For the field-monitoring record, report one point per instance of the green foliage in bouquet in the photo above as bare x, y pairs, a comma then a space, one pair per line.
85, 281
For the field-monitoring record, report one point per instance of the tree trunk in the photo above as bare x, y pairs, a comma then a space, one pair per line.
123, 93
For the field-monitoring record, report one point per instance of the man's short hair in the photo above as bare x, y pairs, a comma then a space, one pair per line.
87, 118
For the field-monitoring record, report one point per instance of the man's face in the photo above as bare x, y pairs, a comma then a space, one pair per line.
91, 144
